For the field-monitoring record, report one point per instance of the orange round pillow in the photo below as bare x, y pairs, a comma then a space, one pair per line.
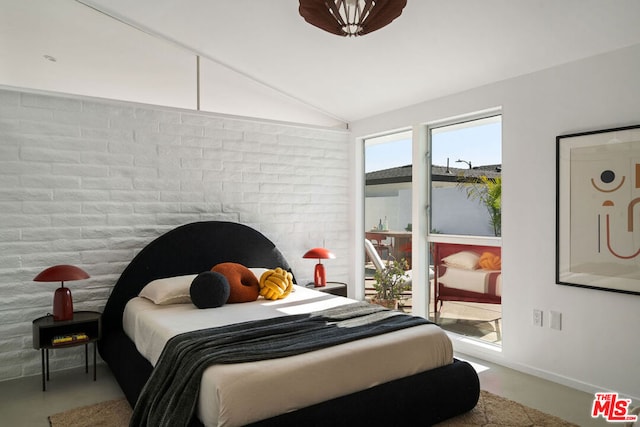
243, 284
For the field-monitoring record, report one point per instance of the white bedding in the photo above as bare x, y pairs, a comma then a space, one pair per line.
481, 281
238, 394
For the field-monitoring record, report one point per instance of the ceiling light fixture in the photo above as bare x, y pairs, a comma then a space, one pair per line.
350, 17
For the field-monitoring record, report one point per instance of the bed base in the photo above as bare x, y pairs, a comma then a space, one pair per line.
429, 397
426, 399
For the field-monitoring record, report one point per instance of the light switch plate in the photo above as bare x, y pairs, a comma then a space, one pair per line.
555, 320
537, 317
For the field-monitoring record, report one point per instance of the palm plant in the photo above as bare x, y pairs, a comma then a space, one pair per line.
489, 192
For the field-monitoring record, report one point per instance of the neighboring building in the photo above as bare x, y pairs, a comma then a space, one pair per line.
388, 194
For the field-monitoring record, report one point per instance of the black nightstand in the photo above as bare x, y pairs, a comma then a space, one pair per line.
333, 288
45, 329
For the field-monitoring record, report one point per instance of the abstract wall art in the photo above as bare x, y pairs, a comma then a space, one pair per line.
598, 209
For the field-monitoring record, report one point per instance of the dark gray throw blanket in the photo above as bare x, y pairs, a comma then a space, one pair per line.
170, 395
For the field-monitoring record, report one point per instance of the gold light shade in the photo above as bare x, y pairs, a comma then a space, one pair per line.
350, 17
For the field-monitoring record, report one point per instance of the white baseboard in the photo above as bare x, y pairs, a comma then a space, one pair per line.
493, 353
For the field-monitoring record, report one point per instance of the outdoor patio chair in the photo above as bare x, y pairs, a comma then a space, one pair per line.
378, 263
381, 245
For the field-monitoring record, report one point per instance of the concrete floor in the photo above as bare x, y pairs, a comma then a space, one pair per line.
474, 320
22, 402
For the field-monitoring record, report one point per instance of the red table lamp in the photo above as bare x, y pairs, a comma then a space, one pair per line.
62, 301
319, 275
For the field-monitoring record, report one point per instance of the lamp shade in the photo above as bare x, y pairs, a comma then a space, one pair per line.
61, 273
319, 274
62, 300
350, 17
319, 253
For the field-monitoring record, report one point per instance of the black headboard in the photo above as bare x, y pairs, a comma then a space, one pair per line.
189, 249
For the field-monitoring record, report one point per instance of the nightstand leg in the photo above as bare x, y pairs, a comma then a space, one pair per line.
44, 384
46, 352
94, 361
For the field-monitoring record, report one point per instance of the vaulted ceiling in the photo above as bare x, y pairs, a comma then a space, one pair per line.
260, 57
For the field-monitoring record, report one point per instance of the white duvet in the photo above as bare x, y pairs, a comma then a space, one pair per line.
239, 394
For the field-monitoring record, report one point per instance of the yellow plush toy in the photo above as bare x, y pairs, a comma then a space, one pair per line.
276, 284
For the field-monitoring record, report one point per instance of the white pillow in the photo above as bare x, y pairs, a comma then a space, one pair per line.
169, 290
258, 272
464, 259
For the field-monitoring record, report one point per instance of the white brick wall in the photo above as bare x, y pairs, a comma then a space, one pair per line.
90, 182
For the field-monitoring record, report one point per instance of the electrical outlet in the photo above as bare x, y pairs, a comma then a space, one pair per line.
537, 317
555, 320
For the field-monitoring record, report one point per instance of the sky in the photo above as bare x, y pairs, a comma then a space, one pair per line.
480, 145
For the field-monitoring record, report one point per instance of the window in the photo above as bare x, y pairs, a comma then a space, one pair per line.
465, 195
457, 168
388, 203
466, 165
388, 181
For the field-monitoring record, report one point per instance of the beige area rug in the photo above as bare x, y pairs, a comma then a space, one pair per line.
113, 413
491, 411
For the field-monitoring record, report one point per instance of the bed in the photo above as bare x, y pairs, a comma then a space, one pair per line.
470, 273
416, 390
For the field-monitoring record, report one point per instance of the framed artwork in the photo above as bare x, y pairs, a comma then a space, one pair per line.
598, 209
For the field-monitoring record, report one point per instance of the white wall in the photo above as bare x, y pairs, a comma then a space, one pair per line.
90, 182
452, 212
597, 348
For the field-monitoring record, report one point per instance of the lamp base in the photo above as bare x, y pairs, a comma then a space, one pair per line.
319, 276
62, 304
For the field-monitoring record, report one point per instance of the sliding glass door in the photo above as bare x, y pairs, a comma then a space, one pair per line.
445, 231
388, 207
465, 189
